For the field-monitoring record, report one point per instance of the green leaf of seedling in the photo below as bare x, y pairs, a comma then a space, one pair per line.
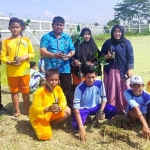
101, 59
96, 54
28, 22
70, 29
27, 71
96, 69
103, 63
81, 39
78, 28
33, 32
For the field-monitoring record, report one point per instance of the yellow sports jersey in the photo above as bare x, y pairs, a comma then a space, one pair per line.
43, 98
12, 47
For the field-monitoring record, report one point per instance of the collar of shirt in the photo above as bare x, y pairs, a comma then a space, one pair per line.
63, 35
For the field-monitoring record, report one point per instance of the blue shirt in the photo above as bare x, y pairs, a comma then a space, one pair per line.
54, 45
141, 101
124, 57
88, 96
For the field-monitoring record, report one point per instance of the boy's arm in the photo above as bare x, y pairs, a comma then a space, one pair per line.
132, 103
31, 52
4, 53
43, 48
76, 106
30, 55
145, 128
103, 97
79, 122
37, 106
135, 107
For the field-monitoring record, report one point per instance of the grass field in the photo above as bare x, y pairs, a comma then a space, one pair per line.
19, 135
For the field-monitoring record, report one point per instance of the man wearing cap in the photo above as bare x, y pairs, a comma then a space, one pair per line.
138, 101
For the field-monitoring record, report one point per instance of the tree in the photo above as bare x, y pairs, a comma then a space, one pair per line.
133, 11
96, 24
113, 22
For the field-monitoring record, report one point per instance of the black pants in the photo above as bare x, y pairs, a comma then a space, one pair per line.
66, 85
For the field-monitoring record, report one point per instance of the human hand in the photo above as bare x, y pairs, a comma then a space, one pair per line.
15, 63
146, 132
60, 56
82, 134
65, 57
77, 63
54, 108
109, 54
21, 58
129, 73
102, 115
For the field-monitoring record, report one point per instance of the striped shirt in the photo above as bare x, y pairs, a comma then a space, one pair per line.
141, 101
89, 96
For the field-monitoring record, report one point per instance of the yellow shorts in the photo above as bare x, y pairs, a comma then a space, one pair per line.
19, 84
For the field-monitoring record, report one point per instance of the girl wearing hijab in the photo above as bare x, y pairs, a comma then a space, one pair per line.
84, 55
118, 52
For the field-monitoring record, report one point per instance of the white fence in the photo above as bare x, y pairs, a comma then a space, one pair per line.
42, 27
137, 28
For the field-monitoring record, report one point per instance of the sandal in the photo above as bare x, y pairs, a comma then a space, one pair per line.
15, 116
127, 125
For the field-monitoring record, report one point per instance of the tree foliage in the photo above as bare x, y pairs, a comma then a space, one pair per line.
133, 11
96, 24
113, 22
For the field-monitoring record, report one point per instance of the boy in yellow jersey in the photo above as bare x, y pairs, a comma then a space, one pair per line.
16, 53
48, 107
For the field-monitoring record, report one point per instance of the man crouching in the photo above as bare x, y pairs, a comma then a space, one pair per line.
87, 101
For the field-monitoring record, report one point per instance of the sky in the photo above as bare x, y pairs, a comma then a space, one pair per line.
75, 11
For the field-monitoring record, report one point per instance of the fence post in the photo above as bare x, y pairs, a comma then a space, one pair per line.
139, 28
40, 28
129, 28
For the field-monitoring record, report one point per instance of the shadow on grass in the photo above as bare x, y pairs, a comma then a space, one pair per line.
65, 126
10, 107
24, 127
5, 92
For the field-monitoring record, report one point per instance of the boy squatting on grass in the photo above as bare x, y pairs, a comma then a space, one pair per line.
16, 53
87, 101
138, 104
43, 112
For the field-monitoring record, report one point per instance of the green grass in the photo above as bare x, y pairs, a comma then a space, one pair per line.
19, 135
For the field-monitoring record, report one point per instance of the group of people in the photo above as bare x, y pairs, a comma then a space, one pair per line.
71, 85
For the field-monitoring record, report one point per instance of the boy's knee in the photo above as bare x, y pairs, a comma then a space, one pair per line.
44, 134
67, 112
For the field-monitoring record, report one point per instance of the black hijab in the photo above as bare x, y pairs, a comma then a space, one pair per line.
86, 48
119, 41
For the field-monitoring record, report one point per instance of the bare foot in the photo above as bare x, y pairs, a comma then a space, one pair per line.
15, 116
